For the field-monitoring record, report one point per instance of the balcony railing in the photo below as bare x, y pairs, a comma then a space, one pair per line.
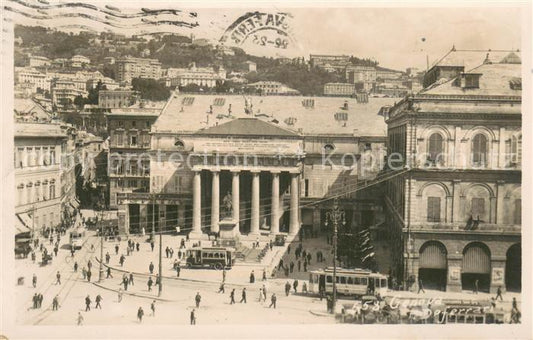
461, 227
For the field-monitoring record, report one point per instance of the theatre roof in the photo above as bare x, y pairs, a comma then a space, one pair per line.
286, 115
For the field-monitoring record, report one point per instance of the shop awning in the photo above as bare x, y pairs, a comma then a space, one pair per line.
75, 203
22, 226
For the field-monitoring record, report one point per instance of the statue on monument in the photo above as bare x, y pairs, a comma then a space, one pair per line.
228, 205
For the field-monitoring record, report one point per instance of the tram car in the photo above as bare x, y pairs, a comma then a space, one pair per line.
210, 257
76, 238
349, 282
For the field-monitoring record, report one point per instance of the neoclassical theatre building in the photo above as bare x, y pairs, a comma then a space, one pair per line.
245, 166
455, 218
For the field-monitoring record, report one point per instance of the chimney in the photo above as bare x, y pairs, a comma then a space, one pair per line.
346, 105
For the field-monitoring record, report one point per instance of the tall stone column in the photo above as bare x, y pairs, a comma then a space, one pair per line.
215, 202
236, 200
254, 226
197, 204
295, 222
274, 223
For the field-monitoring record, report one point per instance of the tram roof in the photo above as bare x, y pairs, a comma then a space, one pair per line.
346, 271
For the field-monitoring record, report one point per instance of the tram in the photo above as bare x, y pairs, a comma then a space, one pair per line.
76, 238
211, 257
349, 282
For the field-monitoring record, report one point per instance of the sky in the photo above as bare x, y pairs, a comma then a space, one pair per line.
396, 37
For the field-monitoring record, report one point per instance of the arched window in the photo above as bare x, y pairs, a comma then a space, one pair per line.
435, 148
479, 150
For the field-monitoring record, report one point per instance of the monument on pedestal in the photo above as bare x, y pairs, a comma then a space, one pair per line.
228, 226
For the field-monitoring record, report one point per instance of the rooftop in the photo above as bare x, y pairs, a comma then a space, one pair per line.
495, 80
473, 58
39, 130
297, 114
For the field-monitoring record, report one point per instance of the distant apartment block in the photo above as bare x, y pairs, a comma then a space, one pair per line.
273, 87
130, 68
339, 89
111, 99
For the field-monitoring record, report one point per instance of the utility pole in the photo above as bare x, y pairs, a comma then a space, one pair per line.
153, 218
336, 216
161, 222
32, 223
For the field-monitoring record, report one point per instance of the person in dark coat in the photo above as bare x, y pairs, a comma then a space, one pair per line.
243, 298
178, 269
152, 244
193, 317
287, 288
58, 278
151, 268
130, 281
252, 277
232, 297
150, 283
299, 265
221, 288
98, 300
420, 286
55, 303
295, 286
107, 258
87, 303
35, 299
140, 314
197, 299
499, 293
109, 273
34, 281
75, 266
89, 275
273, 300
116, 249
137, 246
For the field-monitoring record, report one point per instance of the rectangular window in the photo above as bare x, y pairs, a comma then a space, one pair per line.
120, 139
478, 208
433, 209
306, 191
518, 211
133, 141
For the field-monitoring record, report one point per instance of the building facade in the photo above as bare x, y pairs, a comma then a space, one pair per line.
130, 68
128, 160
272, 87
44, 187
112, 99
339, 89
455, 217
256, 165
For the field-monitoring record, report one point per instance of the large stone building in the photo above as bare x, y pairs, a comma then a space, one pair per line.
339, 89
118, 98
244, 166
455, 217
129, 141
44, 175
201, 76
129, 68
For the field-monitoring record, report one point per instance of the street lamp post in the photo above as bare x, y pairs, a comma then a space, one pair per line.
101, 269
336, 216
161, 222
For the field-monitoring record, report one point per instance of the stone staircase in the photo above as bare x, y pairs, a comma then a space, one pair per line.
245, 254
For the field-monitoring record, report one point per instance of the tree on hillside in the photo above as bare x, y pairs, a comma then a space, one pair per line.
150, 89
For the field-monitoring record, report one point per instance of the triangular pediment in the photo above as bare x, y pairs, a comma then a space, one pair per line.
248, 127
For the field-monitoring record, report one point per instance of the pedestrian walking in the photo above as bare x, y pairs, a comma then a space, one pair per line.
295, 286
89, 275
291, 266
260, 294
304, 288
243, 298
109, 273
116, 249
150, 283
499, 293
264, 274
137, 246
55, 303
309, 258
87, 303
89, 265
84, 273
273, 300
178, 269
120, 295
58, 278
193, 317
224, 275
476, 286
140, 314
98, 300
79, 319
121, 260
305, 265
221, 288
34, 299
34, 281
287, 288
40, 300
152, 307
252, 277
152, 244
151, 267
232, 297
197, 299
130, 281
55, 251
420, 286
33, 256
299, 265
75, 266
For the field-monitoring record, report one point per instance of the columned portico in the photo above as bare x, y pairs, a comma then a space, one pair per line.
197, 204
215, 202
235, 187
254, 230
274, 224
294, 207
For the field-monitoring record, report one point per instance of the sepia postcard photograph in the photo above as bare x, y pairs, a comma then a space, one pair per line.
259, 169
